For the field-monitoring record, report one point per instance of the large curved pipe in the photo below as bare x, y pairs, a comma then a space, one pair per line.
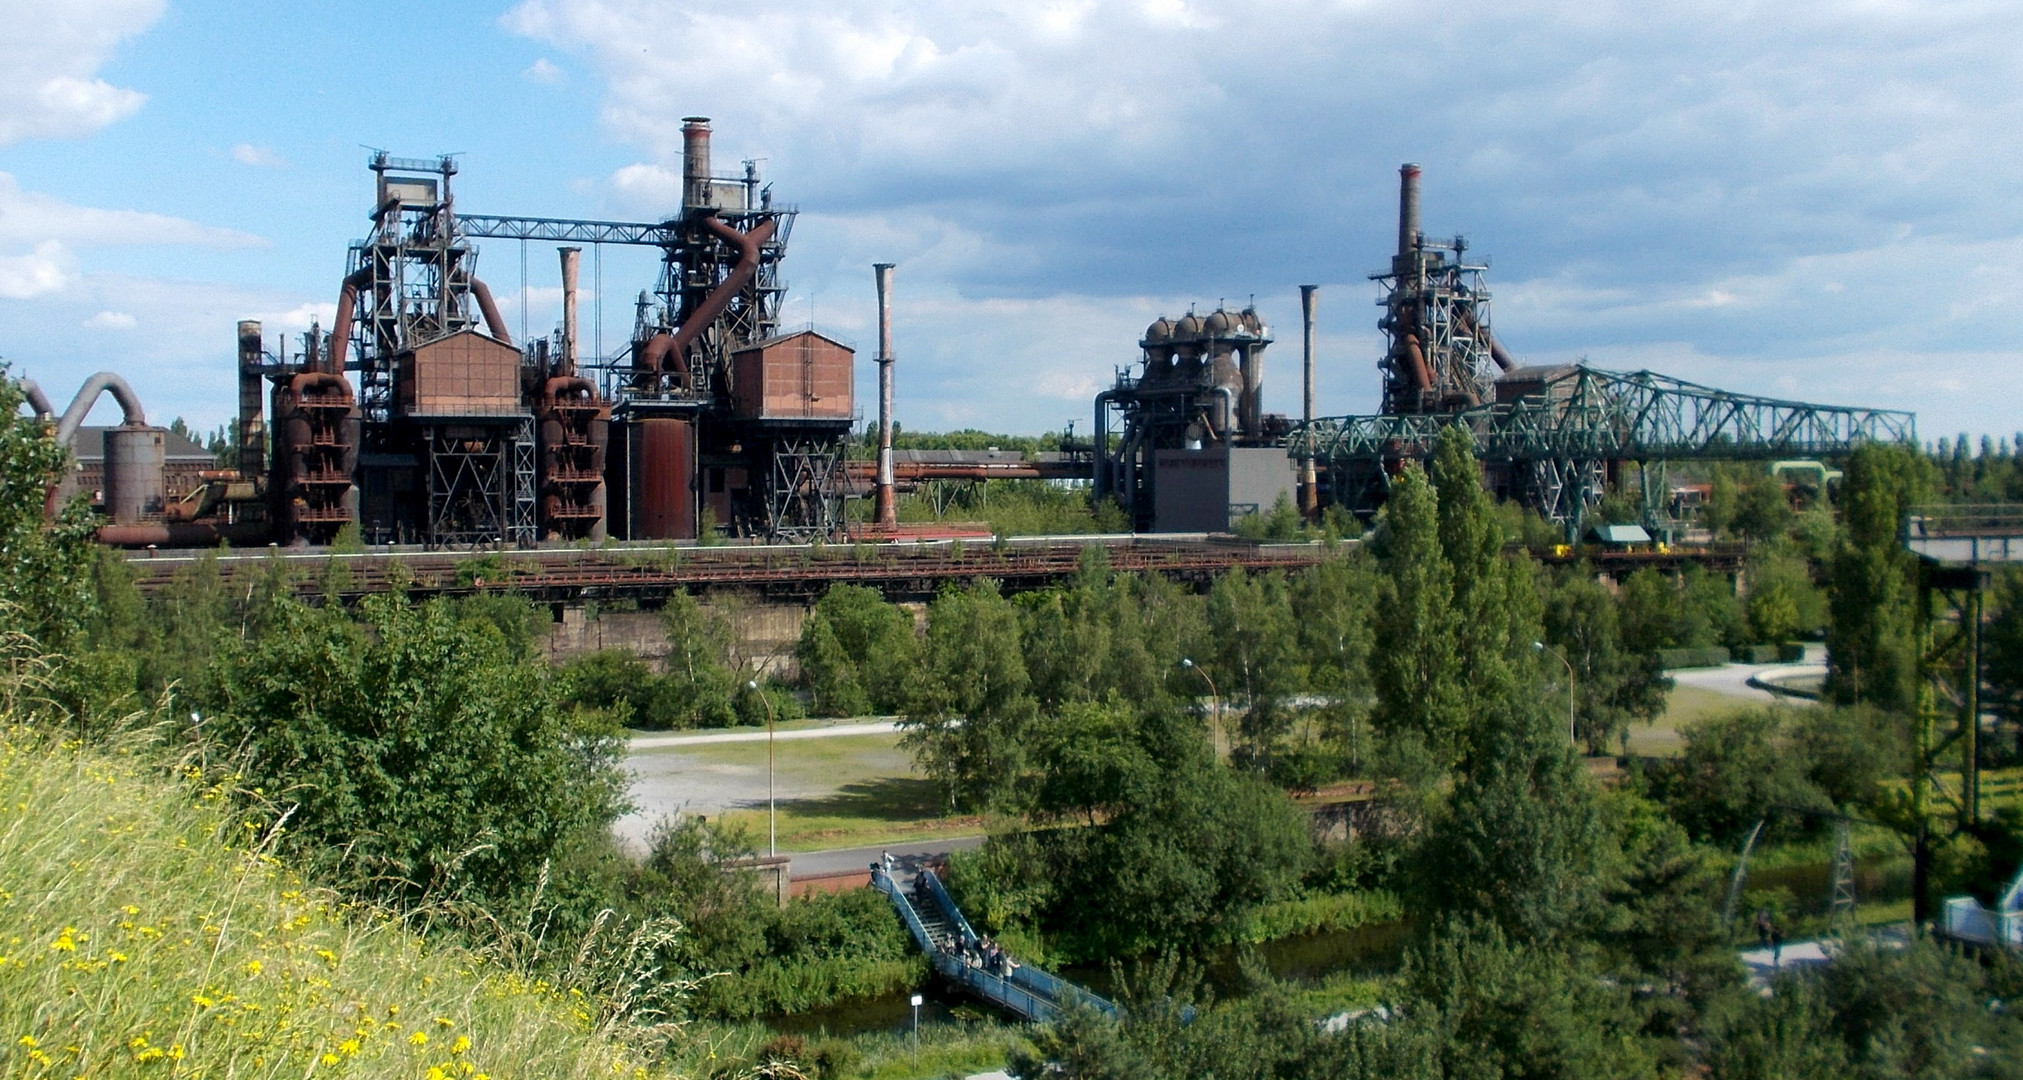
80, 406
37, 400
1415, 362
654, 356
748, 245
347, 300
490, 310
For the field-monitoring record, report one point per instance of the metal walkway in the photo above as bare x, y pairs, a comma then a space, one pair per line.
937, 926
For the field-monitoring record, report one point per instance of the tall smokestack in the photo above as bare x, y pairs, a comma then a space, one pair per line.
886, 512
694, 161
572, 258
252, 431
1309, 494
1408, 208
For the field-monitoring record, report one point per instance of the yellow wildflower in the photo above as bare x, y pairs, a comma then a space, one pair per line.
462, 1044
253, 967
419, 1038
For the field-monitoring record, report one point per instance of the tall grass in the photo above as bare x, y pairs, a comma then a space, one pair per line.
145, 932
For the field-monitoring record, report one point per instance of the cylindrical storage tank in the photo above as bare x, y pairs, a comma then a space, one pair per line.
135, 459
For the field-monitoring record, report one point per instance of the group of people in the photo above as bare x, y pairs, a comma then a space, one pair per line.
981, 953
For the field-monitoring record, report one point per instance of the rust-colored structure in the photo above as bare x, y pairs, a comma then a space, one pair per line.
798, 376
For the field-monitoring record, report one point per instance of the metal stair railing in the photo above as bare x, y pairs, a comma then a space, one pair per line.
1026, 992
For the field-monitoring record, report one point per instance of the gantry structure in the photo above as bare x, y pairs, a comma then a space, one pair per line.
1555, 437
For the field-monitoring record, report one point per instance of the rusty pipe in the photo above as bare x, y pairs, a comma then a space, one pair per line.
490, 310
553, 389
87, 396
184, 534
654, 356
886, 511
572, 258
37, 400
1308, 487
1415, 362
347, 301
748, 245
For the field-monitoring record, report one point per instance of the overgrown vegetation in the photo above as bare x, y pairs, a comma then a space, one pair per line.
1136, 746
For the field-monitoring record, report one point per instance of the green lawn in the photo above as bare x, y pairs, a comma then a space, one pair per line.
846, 791
1685, 706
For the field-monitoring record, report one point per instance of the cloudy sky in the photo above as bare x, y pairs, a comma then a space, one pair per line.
1805, 200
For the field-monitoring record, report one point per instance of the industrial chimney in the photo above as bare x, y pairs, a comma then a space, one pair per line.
1408, 205
886, 513
695, 161
571, 259
252, 429
1309, 495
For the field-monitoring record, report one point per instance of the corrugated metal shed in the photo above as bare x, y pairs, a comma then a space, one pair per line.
1619, 534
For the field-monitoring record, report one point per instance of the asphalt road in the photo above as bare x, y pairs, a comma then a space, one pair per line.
829, 731
910, 856
1732, 680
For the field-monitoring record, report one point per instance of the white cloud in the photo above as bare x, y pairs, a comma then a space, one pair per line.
543, 71
260, 157
1831, 181
28, 217
647, 188
49, 58
50, 268
110, 320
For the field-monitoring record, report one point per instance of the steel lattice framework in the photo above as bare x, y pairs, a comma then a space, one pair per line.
1562, 435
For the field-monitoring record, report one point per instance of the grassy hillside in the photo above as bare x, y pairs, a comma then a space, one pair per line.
143, 933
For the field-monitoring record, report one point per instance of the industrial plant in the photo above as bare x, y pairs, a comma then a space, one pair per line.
417, 419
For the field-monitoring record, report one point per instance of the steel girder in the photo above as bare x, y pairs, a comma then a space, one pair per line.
1585, 414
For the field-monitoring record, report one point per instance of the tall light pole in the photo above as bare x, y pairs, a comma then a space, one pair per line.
772, 811
1572, 724
1214, 695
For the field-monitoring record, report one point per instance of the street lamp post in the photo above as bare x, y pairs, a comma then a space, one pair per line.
1572, 723
772, 811
1214, 695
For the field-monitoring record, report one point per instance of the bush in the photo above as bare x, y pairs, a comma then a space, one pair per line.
422, 754
1707, 656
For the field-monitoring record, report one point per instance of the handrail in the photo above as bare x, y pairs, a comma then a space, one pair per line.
1031, 993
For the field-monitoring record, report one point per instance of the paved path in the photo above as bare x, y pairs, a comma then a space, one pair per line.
827, 731
910, 856
1732, 680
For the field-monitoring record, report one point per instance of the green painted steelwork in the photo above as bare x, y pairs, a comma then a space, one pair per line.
1562, 435
1641, 416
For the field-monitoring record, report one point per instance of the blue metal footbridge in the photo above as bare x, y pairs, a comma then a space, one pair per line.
940, 930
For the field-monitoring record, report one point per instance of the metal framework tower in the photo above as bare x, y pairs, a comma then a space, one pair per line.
1957, 547
448, 442
1440, 355
689, 439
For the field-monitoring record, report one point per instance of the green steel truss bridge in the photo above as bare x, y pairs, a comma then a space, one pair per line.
1558, 435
